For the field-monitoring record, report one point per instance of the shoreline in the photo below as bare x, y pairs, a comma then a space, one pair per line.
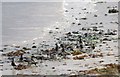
105, 52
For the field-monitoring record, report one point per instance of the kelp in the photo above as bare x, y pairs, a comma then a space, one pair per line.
109, 69
76, 53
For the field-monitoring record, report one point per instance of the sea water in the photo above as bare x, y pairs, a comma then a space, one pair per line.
24, 21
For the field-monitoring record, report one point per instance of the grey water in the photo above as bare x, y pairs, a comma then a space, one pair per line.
25, 20
22, 21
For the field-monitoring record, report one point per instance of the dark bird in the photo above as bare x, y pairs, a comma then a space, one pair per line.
13, 63
56, 48
80, 41
21, 57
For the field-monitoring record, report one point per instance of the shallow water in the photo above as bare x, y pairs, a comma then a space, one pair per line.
26, 20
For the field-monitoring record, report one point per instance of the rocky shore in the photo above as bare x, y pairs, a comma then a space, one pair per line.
89, 46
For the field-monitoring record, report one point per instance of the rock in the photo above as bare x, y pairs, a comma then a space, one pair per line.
84, 18
110, 69
95, 15
66, 10
100, 45
50, 32
76, 18
101, 61
105, 14
71, 39
57, 39
20, 67
46, 65
79, 24
73, 23
16, 53
106, 39
69, 70
1, 50
34, 46
95, 28
17, 46
56, 28
108, 7
104, 42
83, 28
75, 32
86, 65
84, 9
113, 11
69, 33
64, 64
110, 33
53, 67
100, 2
110, 53
101, 23
26, 48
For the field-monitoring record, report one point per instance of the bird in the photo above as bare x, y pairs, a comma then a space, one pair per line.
13, 63
21, 57
56, 48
